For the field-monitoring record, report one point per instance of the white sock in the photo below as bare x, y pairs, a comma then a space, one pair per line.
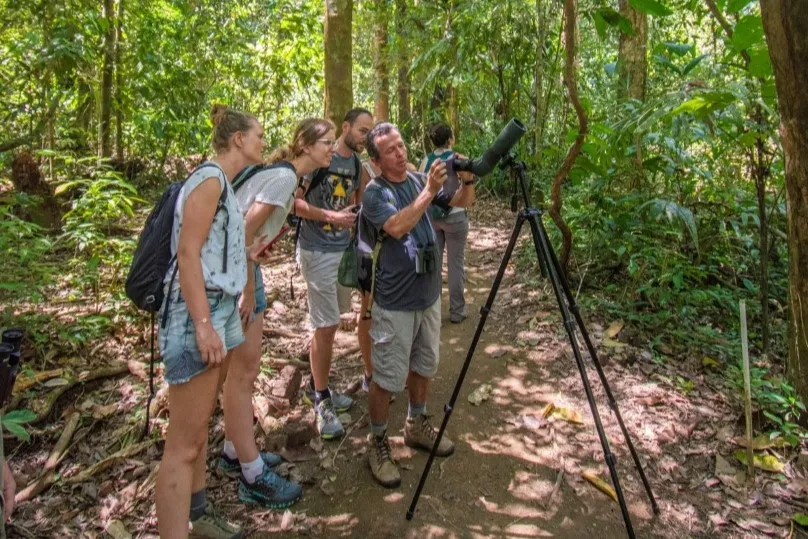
229, 450
251, 470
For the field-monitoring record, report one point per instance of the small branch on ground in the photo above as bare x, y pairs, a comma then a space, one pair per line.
48, 476
53, 396
125, 453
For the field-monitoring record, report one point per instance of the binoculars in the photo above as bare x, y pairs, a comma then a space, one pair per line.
425, 258
9, 361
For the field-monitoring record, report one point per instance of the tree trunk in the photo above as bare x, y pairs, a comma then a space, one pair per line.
381, 108
538, 76
338, 43
403, 61
106, 81
785, 23
632, 58
571, 81
119, 84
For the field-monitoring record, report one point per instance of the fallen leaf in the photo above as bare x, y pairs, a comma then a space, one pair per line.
717, 520
759, 443
568, 414
532, 422
757, 525
482, 393
548, 409
56, 382
609, 343
600, 484
316, 444
100, 412
723, 467
710, 363
768, 463
117, 530
326, 487
287, 521
614, 329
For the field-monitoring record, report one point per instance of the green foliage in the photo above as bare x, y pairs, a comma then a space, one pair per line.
104, 200
14, 422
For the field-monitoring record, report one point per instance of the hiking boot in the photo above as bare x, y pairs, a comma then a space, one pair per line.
342, 403
269, 490
328, 424
421, 434
232, 467
210, 526
381, 462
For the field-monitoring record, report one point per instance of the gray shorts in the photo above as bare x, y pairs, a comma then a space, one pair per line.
327, 298
404, 341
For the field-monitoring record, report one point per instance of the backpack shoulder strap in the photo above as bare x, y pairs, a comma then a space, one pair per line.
245, 174
320, 175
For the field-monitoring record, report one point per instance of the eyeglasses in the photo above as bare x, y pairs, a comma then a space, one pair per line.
327, 142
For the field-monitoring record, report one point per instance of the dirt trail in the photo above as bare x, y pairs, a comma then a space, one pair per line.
504, 479
506, 466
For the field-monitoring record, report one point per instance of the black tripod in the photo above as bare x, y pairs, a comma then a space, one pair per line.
566, 303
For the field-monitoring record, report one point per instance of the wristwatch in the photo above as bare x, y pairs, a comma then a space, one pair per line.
471, 181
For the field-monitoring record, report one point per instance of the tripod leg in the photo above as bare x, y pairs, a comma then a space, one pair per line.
449, 407
573, 307
543, 250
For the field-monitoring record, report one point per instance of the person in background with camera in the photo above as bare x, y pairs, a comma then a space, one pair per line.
203, 323
405, 313
452, 227
265, 198
326, 206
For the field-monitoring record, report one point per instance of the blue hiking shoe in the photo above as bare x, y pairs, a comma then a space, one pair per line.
328, 424
269, 490
232, 467
342, 403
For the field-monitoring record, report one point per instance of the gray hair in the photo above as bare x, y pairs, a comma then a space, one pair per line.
379, 130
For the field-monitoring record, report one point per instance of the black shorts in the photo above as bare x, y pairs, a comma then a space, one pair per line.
365, 274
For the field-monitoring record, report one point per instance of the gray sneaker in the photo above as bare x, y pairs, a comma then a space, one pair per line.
342, 403
328, 424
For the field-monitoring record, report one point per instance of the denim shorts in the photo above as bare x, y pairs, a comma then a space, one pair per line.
177, 340
260, 293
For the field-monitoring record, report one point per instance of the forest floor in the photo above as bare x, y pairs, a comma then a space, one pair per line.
518, 471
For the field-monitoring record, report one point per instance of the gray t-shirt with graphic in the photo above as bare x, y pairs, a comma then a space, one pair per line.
398, 286
230, 219
334, 193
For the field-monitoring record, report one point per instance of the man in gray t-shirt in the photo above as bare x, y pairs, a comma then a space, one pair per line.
326, 209
405, 316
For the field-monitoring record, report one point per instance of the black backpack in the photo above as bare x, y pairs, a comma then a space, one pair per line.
153, 258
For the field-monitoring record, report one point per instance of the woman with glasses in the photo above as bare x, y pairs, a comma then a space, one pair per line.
265, 198
326, 208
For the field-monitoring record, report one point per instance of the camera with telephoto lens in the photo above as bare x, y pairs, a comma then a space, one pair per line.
484, 164
9, 361
425, 259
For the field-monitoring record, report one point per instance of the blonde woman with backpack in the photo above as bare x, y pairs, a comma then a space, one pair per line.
202, 323
265, 195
